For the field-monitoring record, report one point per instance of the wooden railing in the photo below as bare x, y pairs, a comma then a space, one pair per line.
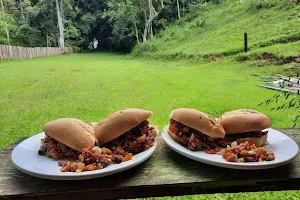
7, 51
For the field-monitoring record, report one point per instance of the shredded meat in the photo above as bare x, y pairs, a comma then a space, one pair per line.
244, 152
121, 149
136, 140
195, 139
96, 155
54, 149
90, 159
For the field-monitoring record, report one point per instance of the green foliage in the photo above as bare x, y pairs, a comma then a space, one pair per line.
197, 23
259, 4
283, 101
28, 36
76, 49
218, 29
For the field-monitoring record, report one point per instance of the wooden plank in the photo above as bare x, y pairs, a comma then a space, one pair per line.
7, 51
164, 173
275, 88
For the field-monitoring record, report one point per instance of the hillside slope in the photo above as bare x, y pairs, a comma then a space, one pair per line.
214, 29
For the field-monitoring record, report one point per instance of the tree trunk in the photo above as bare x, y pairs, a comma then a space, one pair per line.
136, 30
59, 10
21, 7
183, 8
6, 28
162, 3
148, 20
47, 40
178, 9
145, 28
151, 29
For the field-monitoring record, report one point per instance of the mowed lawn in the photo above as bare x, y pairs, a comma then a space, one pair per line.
90, 86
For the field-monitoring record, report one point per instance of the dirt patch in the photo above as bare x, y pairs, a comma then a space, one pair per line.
297, 60
217, 57
266, 57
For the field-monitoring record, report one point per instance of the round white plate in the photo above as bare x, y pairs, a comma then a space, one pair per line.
25, 157
284, 148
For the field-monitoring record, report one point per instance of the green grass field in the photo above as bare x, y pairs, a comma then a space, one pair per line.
90, 86
282, 195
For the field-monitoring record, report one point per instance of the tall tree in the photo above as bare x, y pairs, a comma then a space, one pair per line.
5, 23
59, 10
150, 16
178, 9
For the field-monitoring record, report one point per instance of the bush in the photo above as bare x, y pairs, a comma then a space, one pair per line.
143, 47
197, 23
76, 49
259, 4
280, 40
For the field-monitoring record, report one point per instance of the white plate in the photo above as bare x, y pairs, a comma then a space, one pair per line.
25, 157
284, 148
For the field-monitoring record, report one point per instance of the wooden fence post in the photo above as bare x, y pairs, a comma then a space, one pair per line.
8, 51
245, 42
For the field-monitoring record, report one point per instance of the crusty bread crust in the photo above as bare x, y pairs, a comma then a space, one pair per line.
74, 133
244, 120
118, 123
198, 120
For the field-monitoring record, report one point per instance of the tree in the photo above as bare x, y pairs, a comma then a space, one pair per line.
59, 9
4, 17
178, 9
116, 24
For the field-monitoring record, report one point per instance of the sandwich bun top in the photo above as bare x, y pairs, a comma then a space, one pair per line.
118, 123
76, 134
244, 120
198, 120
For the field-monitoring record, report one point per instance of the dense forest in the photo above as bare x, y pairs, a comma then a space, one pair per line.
116, 24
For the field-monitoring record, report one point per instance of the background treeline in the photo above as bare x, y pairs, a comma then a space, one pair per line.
116, 24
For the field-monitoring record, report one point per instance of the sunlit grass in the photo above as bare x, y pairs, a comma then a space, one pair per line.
282, 195
219, 29
90, 86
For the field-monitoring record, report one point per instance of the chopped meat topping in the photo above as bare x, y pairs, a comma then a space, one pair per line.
244, 152
136, 140
121, 149
54, 149
195, 139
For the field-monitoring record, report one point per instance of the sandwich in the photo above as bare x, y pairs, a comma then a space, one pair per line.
195, 129
245, 125
127, 131
66, 137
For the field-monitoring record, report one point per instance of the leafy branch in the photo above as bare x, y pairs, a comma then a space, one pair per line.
291, 101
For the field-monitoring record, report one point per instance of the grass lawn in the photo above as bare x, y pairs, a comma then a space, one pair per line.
282, 195
90, 86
